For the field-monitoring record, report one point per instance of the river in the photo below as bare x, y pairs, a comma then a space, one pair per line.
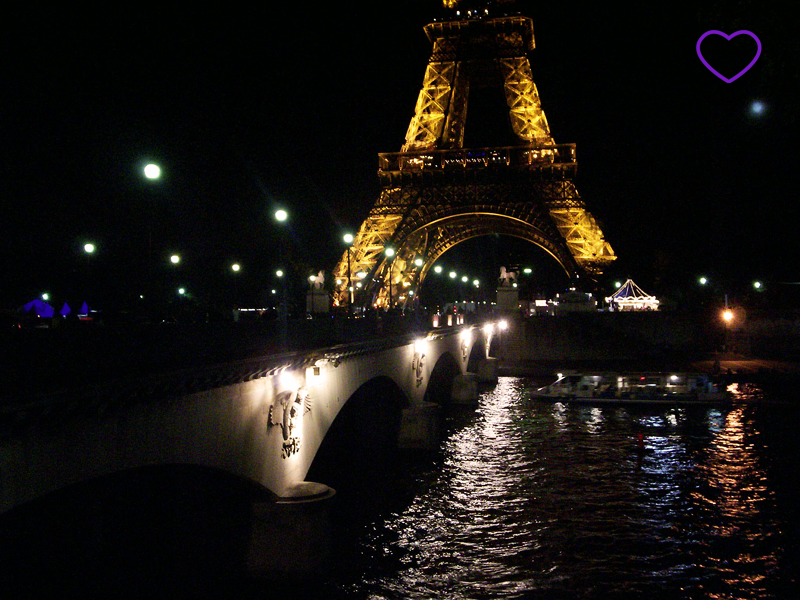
530, 499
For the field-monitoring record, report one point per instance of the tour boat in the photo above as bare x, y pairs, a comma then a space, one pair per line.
633, 388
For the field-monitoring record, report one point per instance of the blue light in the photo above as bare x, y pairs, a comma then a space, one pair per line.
757, 107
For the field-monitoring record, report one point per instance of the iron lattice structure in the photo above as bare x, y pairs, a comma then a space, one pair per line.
435, 193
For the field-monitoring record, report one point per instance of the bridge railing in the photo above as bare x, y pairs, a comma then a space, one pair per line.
134, 388
534, 157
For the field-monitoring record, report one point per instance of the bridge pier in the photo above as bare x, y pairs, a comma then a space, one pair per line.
465, 389
291, 538
420, 427
487, 370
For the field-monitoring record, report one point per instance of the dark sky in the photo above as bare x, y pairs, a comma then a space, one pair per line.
247, 109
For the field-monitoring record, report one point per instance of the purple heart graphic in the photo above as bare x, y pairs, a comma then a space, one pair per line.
728, 37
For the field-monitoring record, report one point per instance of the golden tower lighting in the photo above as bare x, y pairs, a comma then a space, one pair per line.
435, 193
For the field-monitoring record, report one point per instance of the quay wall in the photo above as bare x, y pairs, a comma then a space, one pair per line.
615, 336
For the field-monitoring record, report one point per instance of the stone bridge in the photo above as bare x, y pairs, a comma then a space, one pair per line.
261, 419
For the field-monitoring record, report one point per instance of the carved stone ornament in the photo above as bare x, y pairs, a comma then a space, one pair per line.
287, 412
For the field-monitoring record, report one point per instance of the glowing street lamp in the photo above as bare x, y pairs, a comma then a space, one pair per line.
703, 281
727, 315
348, 239
236, 267
175, 259
437, 269
89, 248
390, 252
152, 171
281, 215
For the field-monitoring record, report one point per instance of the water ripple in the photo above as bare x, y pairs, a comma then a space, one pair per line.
542, 500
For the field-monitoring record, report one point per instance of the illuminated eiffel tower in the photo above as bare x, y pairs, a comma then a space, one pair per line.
435, 193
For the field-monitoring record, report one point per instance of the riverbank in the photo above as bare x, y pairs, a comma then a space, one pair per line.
735, 367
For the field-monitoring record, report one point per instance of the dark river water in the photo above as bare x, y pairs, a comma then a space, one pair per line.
539, 500
522, 499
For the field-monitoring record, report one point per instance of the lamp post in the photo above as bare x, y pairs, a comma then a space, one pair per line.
390, 253
88, 250
152, 172
281, 216
348, 239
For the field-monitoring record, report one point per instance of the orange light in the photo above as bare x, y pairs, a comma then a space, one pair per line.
727, 315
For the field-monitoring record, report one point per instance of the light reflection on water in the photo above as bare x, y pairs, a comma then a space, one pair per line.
539, 500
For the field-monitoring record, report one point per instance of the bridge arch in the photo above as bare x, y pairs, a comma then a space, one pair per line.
477, 353
137, 525
362, 437
442, 375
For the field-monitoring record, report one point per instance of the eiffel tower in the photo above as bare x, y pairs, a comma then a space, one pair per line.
435, 193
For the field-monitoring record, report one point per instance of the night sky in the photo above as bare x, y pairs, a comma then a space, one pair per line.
250, 109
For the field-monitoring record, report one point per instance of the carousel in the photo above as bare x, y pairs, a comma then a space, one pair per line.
631, 297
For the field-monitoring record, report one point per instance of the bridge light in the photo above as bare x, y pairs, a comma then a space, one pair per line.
464, 279
488, 329
466, 336
420, 345
437, 269
452, 274
287, 381
503, 325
